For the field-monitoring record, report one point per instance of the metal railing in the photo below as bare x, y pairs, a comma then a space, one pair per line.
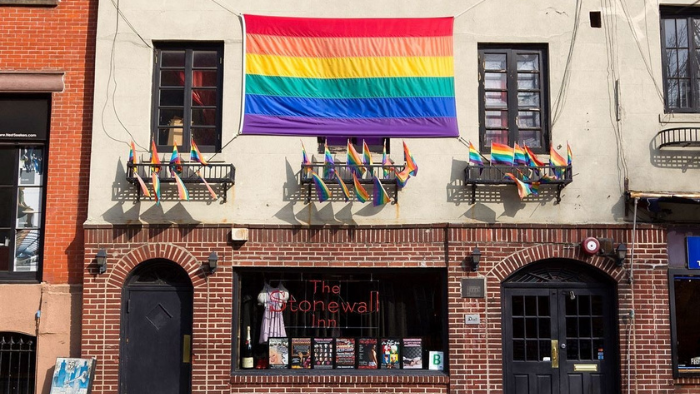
496, 175
17, 363
345, 171
682, 137
214, 173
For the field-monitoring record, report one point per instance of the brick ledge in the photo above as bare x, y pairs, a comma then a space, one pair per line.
341, 377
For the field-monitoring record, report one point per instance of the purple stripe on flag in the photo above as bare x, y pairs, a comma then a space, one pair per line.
364, 127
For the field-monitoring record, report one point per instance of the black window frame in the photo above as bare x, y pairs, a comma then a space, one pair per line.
675, 345
510, 50
189, 48
693, 73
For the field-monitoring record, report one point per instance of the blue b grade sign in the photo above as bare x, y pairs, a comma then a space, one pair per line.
693, 245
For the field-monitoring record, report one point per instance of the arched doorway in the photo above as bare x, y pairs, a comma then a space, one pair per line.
156, 330
560, 331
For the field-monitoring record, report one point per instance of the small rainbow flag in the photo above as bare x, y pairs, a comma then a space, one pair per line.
354, 160
569, 155
328, 163
343, 187
196, 155
132, 153
385, 162
556, 161
532, 159
211, 191
519, 155
410, 162
305, 160
182, 191
380, 196
501, 154
366, 155
523, 188
155, 160
321, 189
175, 162
402, 177
134, 161
360, 191
475, 156
156, 187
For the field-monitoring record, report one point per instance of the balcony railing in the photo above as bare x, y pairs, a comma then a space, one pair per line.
681, 137
215, 174
546, 176
344, 171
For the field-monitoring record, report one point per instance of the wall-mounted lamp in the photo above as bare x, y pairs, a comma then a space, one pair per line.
101, 260
211, 264
620, 254
475, 257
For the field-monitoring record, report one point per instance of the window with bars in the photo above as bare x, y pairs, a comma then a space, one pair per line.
513, 96
187, 96
17, 363
680, 45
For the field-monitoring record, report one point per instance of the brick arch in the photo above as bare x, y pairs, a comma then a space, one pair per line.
177, 254
536, 253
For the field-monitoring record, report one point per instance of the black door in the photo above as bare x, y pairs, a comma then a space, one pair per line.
559, 339
157, 331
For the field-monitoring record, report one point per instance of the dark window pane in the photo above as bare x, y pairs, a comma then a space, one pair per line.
572, 349
682, 33
529, 99
584, 327
204, 117
203, 97
203, 137
598, 326
494, 61
571, 306
518, 306
672, 93
518, 327
672, 58
204, 78
174, 97
696, 32
586, 351
571, 327
532, 350
531, 328
7, 212
686, 290
530, 306
172, 78
597, 305
543, 305
5, 238
170, 117
528, 81
545, 349
205, 59
499, 136
528, 62
531, 138
519, 350
584, 305
170, 136
528, 119
496, 99
683, 65
173, 58
545, 328
684, 93
8, 158
497, 119
495, 81
670, 31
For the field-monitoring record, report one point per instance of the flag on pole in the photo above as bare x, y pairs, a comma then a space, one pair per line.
360, 191
380, 196
328, 163
134, 161
569, 155
501, 154
519, 156
402, 177
182, 192
354, 160
385, 162
523, 188
155, 160
175, 162
343, 187
321, 189
366, 155
196, 155
556, 161
532, 159
410, 162
132, 153
156, 187
475, 156
305, 160
211, 191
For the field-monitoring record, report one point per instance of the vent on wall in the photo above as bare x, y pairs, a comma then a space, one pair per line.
239, 234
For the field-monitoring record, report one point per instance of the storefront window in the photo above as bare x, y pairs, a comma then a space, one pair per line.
388, 319
685, 292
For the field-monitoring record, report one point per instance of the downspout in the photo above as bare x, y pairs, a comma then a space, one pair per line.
630, 323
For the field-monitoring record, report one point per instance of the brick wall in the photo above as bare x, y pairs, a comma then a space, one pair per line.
60, 38
475, 351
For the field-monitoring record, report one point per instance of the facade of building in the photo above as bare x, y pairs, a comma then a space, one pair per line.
46, 76
582, 286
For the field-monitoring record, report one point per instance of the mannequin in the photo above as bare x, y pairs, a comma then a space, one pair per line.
274, 300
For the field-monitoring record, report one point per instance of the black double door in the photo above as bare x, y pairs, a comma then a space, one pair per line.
560, 340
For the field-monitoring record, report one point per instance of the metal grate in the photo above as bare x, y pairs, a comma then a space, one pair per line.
681, 137
17, 363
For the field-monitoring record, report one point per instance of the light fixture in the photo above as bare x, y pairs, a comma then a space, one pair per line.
101, 260
475, 257
211, 264
620, 254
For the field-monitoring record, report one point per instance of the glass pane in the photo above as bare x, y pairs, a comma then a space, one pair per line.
584, 305
672, 93
670, 31
531, 328
684, 93
529, 99
528, 119
26, 250
543, 305
494, 61
495, 81
500, 136
204, 78
696, 32
6, 214
531, 138
172, 78
174, 97
683, 65
173, 58
497, 119
584, 327
599, 348
5, 238
531, 352
598, 326
28, 207
571, 327
597, 305
204, 137
170, 136
203, 97
530, 306
682, 33
572, 349
204, 117
686, 291
545, 349
31, 166
544, 327
205, 59
8, 157
571, 306
672, 59
519, 350
518, 306
518, 328
170, 117
528, 62
528, 81
496, 99
586, 351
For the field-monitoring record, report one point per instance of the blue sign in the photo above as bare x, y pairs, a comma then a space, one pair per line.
693, 244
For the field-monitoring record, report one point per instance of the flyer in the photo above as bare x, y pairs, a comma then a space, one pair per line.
390, 353
278, 353
322, 355
412, 353
344, 353
367, 353
300, 357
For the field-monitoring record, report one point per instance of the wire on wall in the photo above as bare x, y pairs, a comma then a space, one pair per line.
561, 95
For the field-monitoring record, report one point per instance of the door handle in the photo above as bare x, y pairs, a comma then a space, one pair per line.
555, 353
186, 348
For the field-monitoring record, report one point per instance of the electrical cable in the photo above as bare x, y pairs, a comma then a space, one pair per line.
561, 95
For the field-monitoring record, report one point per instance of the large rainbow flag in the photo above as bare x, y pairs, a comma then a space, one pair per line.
388, 77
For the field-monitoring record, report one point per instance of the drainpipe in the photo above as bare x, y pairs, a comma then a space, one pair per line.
630, 324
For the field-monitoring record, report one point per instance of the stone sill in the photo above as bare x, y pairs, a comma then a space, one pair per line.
340, 377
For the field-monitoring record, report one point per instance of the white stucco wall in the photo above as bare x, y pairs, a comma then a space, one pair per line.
605, 151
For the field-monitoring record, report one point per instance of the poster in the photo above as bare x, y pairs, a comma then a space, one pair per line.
72, 376
344, 353
390, 353
301, 353
278, 352
322, 353
367, 353
412, 353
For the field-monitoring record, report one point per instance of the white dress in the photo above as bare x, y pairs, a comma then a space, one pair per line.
274, 300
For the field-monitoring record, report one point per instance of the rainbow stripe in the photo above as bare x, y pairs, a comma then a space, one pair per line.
196, 155
182, 191
343, 187
328, 163
354, 160
532, 159
204, 181
360, 191
475, 156
366, 154
402, 177
523, 188
385, 162
365, 77
569, 155
321, 189
175, 162
519, 155
379, 195
155, 160
132, 153
558, 162
501, 154
410, 162
156, 187
305, 160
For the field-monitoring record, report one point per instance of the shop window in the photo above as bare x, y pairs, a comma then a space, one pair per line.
685, 320
513, 96
187, 96
17, 363
341, 319
680, 44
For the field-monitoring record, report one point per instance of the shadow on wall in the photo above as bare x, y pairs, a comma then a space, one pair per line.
683, 158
